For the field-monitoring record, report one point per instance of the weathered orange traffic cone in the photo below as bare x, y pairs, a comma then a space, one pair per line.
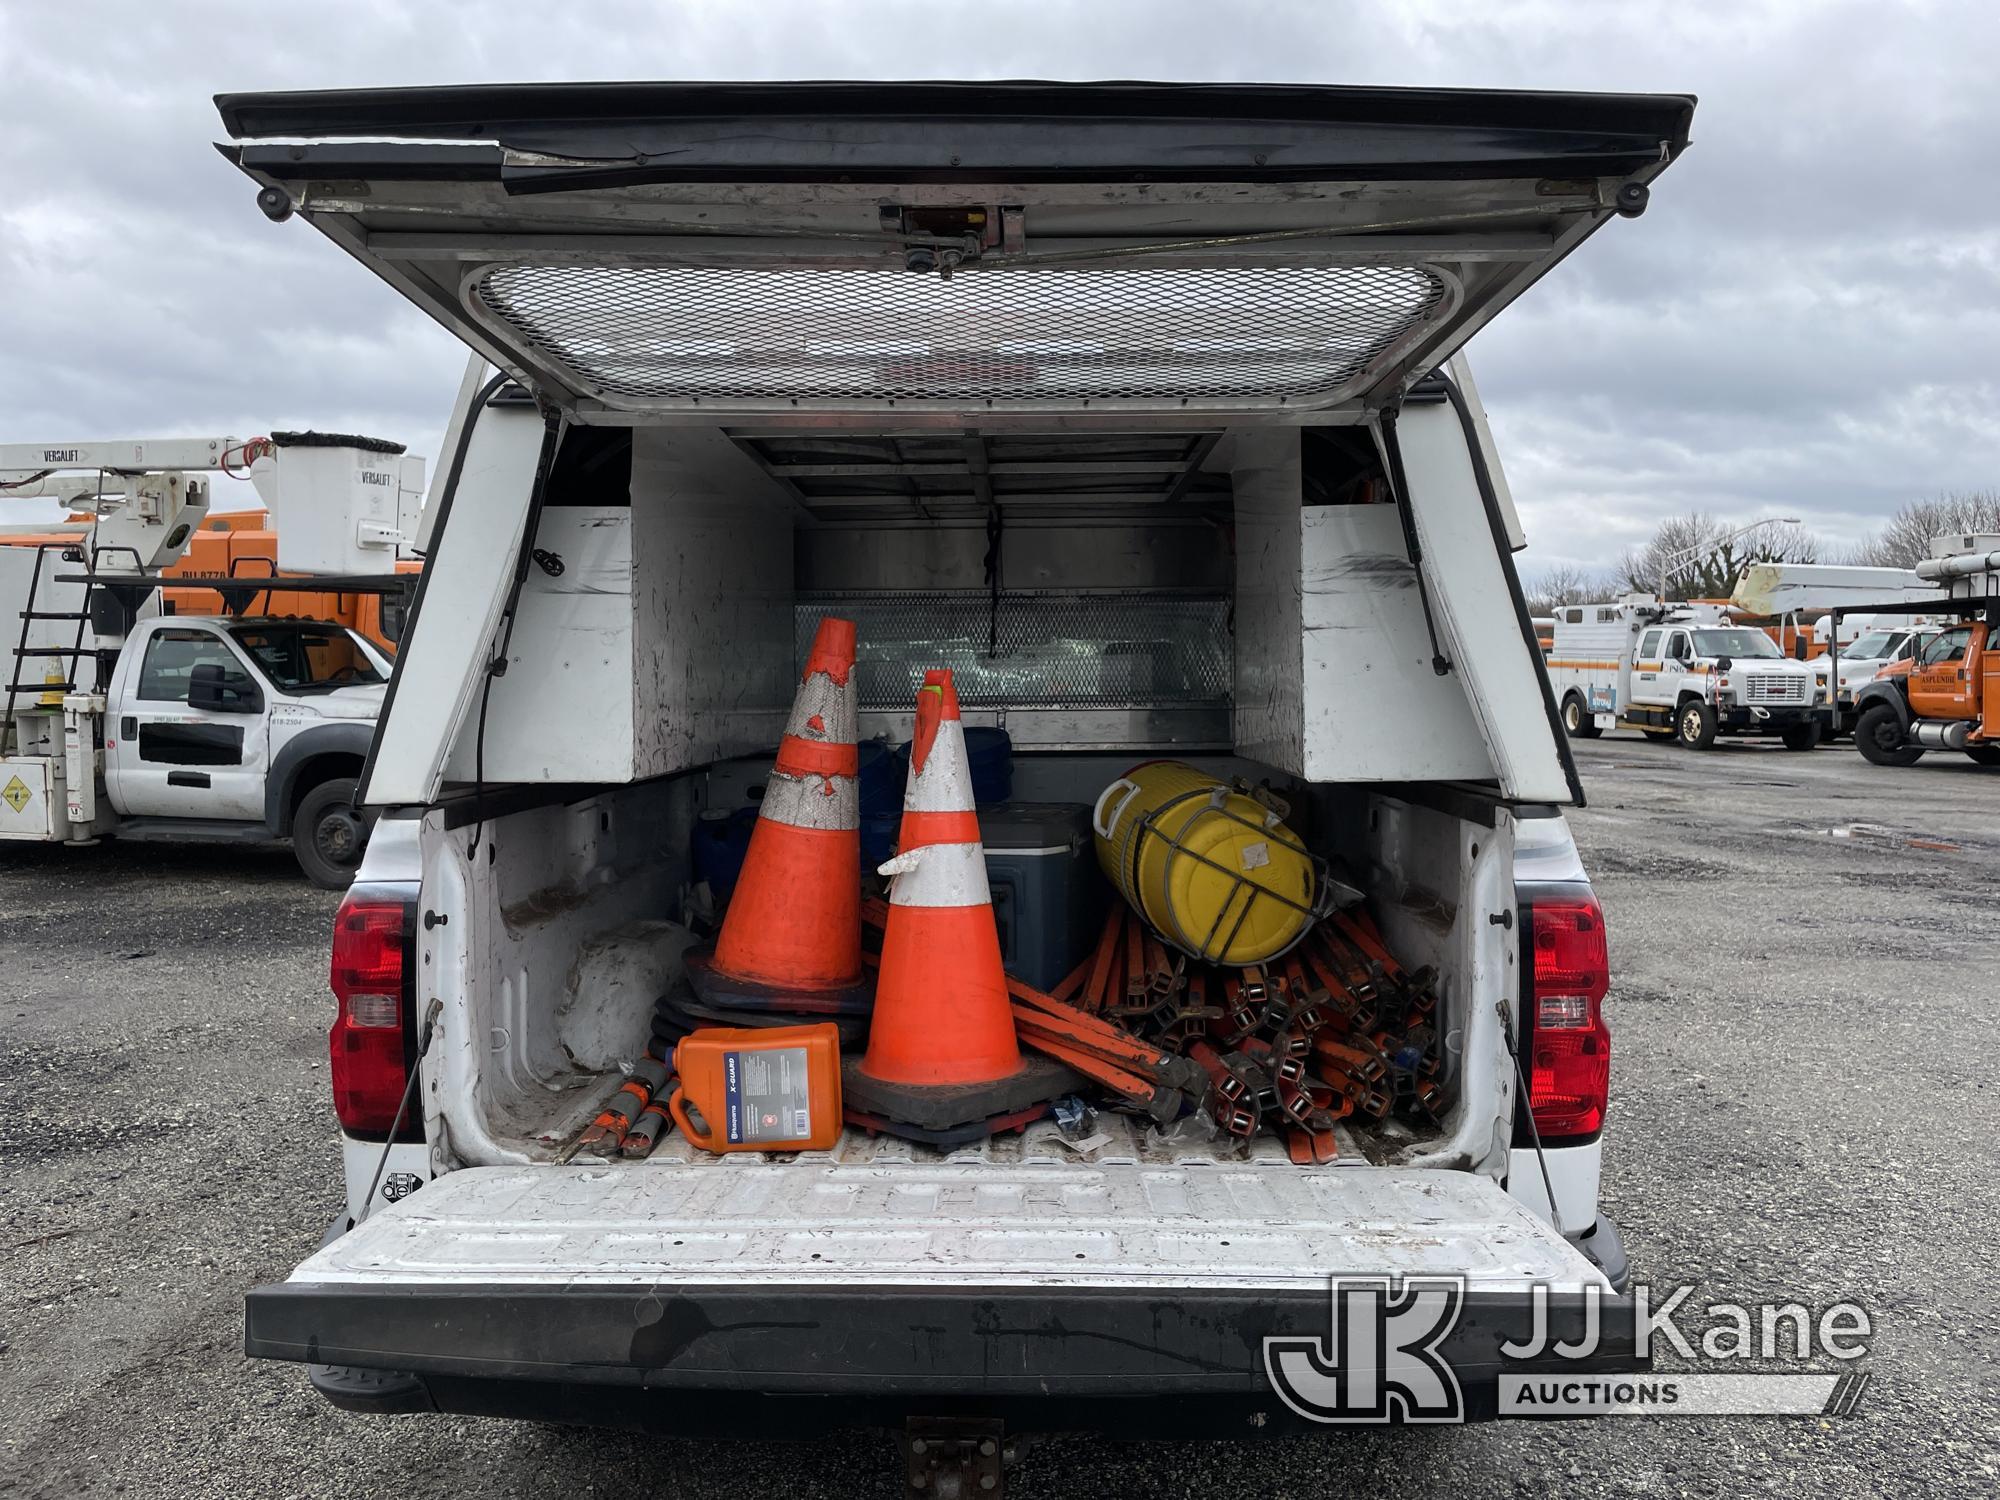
791, 939
941, 1048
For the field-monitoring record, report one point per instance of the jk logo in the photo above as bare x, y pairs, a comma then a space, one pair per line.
1381, 1361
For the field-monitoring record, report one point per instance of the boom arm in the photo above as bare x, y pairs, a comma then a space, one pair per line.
1792, 588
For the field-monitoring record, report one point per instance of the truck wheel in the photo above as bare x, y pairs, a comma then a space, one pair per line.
1985, 755
1879, 737
1578, 722
1802, 736
328, 835
1694, 725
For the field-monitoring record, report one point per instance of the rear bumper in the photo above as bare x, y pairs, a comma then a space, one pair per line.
713, 1360
1606, 1249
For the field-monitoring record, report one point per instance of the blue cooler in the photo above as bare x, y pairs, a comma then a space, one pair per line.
721, 841
1048, 894
882, 772
989, 755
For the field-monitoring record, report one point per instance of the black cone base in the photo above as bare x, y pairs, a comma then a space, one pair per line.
934, 1107
785, 1005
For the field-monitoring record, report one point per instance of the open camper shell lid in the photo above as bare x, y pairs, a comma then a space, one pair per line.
682, 252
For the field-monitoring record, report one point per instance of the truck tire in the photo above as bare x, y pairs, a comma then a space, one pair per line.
1985, 755
1694, 725
328, 834
1880, 739
1802, 736
1578, 721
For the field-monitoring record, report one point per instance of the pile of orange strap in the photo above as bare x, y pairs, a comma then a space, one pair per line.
1335, 1028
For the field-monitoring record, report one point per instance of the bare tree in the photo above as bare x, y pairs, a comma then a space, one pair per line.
1700, 560
1565, 583
1906, 540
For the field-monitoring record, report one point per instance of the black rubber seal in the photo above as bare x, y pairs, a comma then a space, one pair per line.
335, 440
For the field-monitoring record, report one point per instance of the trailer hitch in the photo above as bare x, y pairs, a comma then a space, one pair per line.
957, 1458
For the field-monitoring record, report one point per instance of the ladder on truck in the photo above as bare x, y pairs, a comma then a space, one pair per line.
18, 681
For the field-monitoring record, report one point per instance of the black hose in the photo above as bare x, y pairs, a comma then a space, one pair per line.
496, 665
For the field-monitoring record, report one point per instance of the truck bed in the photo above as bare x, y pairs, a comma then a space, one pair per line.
1112, 1140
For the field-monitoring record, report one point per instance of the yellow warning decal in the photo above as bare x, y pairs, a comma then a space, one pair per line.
15, 793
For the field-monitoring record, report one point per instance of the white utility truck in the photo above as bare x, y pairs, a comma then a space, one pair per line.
1680, 672
1881, 642
122, 721
1139, 406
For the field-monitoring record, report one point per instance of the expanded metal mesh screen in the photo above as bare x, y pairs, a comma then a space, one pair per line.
664, 333
1056, 650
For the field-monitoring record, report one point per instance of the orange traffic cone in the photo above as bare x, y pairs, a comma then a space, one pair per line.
793, 930
941, 1046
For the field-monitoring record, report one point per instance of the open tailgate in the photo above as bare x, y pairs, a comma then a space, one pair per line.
688, 251
825, 1274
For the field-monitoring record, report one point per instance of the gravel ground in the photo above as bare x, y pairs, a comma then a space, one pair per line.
1804, 1110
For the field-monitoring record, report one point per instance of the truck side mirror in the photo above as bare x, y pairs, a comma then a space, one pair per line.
207, 689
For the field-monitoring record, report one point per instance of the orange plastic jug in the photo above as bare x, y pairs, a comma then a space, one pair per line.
773, 1089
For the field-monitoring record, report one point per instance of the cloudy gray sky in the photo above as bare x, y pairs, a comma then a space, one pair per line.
1805, 322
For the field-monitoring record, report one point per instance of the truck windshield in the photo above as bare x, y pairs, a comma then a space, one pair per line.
1873, 647
1743, 642
306, 657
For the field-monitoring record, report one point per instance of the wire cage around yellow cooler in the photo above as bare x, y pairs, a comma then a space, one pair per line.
1211, 867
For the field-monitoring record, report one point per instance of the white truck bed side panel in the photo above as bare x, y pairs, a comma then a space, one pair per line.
1475, 607
712, 600
441, 666
665, 641
1368, 660
1270, 712
816, 1221
1574, 1172
564, 709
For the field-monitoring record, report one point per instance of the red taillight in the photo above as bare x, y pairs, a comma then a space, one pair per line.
1569, 1076
367, 1043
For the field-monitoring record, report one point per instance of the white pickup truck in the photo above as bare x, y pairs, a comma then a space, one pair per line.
1139, 406
213, 729
120, 718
